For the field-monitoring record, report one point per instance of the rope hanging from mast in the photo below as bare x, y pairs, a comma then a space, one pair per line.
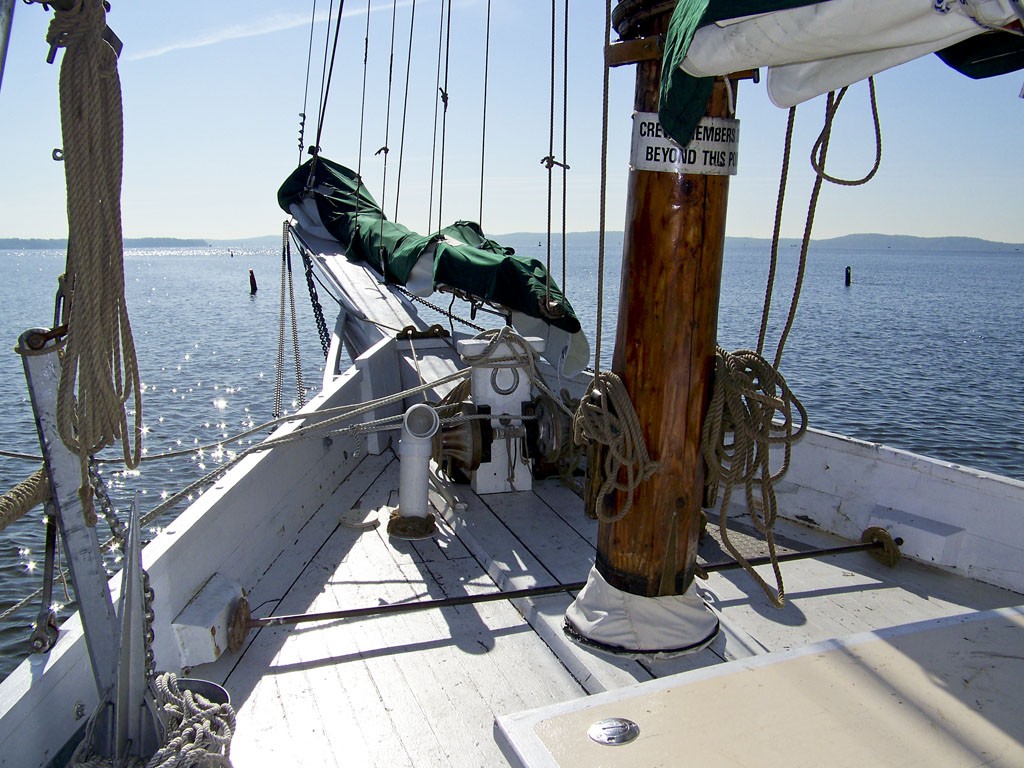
99, 372
750, 393
287, 283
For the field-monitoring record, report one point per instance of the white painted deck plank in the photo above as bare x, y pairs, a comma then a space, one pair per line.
508, 555
830, 597
422, 689
417, 689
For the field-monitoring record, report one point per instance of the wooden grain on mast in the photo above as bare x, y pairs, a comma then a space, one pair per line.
664, 353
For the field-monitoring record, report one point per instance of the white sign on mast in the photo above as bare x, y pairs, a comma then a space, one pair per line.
713, 149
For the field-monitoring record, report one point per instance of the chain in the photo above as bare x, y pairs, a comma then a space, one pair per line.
148, 616
446, 312
117, 528
119, 535
314, 299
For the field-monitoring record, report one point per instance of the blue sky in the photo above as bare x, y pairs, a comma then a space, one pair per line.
212, 93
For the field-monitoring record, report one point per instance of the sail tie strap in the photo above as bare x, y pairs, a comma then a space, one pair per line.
99, 373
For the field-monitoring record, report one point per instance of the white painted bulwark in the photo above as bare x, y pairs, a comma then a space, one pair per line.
953, 516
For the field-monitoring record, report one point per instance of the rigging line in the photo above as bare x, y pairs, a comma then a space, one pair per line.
359, 156
387, 136
565, 134
362, 104
444, 113
323, 78
777, 232
549, 161
483, 120
820, 150
300, 385
602, 206
326, 87
438, 93
305, 92
405, 108
386, 149
279, 373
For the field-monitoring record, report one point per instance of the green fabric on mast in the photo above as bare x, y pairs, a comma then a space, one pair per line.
684, 98
474, 264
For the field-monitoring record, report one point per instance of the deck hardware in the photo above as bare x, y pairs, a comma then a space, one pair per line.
433, 332
614, 731
887, 550
459, 443
634, 51
413, 519
44, 635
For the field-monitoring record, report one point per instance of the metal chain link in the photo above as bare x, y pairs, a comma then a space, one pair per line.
314, 299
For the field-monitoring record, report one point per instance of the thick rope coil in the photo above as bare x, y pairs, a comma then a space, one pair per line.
748, 394
198, 731
606, 416
99, 373
17, 502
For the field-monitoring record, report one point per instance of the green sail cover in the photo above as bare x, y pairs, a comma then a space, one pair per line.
464, 258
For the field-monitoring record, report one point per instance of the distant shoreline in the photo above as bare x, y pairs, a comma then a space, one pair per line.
857, 242
40, 244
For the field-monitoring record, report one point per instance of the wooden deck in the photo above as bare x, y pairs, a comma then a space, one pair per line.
424, 688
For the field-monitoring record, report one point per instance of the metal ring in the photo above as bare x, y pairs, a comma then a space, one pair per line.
501, 390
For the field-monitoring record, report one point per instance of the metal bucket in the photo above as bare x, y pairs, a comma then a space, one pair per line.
212, 692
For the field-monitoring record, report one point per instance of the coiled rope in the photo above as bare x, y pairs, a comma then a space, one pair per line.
606, 416
197, 732
99, 372
749, 393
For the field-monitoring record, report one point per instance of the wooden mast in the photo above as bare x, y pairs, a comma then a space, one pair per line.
664, 353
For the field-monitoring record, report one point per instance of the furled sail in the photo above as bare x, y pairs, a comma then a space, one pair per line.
459, 256
810, 48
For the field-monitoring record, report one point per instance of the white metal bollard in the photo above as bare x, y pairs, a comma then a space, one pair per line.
413, 519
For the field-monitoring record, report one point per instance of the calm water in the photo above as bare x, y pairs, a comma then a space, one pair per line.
921, 352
